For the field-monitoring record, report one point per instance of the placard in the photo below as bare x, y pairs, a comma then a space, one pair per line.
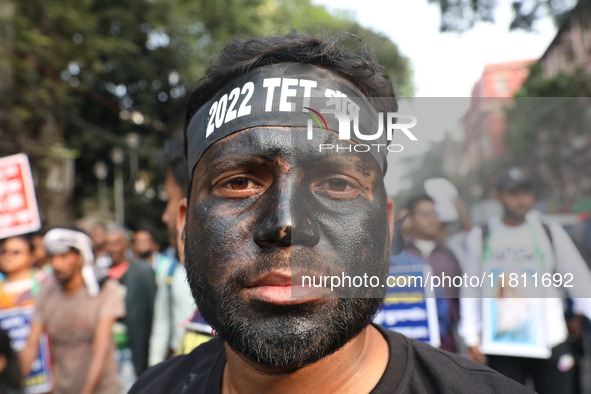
18, 205
514, 327
410, 307
17, 323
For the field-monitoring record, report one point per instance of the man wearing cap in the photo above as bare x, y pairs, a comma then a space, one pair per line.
517, 323
78, 313
273, 201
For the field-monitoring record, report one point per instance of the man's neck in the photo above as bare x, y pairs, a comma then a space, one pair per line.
41, 263
73, 285
19, 275
513, 221
116, 271
100, 251
355, 368
117, 263
423, 238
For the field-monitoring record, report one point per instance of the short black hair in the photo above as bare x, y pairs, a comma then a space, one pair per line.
150, 231
172, 158
412, 203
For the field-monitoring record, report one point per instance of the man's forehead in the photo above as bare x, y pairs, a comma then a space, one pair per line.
286, 95
264, 145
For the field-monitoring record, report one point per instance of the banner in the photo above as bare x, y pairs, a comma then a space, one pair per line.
18, 206
410, 308
17, 323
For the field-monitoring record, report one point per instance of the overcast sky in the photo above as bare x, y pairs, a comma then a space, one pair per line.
448, 64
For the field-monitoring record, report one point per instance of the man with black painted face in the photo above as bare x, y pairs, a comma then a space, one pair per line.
268, 208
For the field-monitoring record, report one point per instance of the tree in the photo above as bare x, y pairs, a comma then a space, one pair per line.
548, 131
462, 15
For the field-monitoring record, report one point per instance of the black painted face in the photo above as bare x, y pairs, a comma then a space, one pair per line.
266, 208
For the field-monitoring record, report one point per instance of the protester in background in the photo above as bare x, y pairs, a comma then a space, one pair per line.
581, 234
98, 235
579, 326
414, 264
18, 289
138, 291
22, 280
525, 321
423, 242
78, 314
146, 247
405, 225
172, 160
453, 233
174, 304
10, 374
41, 258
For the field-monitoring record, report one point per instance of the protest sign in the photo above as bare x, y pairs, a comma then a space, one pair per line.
17, 323
18, 206
410, 307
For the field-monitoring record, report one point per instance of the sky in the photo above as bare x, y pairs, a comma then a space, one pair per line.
447, 64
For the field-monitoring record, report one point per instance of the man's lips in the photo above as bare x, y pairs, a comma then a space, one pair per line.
281, 289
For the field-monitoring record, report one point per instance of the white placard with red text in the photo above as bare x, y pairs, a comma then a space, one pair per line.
18, 205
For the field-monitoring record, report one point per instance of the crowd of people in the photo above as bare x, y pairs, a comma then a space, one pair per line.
520, 241
109, 303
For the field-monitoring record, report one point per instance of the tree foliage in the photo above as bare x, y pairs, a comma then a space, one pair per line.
462, 15
548, 131
78, 76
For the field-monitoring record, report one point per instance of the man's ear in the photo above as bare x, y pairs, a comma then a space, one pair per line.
391, 212
181, 228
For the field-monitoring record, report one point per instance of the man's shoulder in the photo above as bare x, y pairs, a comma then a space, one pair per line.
139, 268
192, 372
48, 290
429, 369
139, 265
108, 285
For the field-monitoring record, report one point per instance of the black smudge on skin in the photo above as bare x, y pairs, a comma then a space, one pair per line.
328, 236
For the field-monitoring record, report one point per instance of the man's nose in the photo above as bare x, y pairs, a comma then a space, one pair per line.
56, 261
285, 219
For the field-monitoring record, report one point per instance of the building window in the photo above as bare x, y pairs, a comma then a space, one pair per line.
501, 86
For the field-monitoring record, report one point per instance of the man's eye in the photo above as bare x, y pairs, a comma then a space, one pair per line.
239, 184
338, 188
337, 185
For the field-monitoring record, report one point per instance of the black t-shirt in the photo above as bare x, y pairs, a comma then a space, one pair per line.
413, 367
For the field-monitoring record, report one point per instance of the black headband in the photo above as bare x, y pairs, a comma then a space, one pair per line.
284, 94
